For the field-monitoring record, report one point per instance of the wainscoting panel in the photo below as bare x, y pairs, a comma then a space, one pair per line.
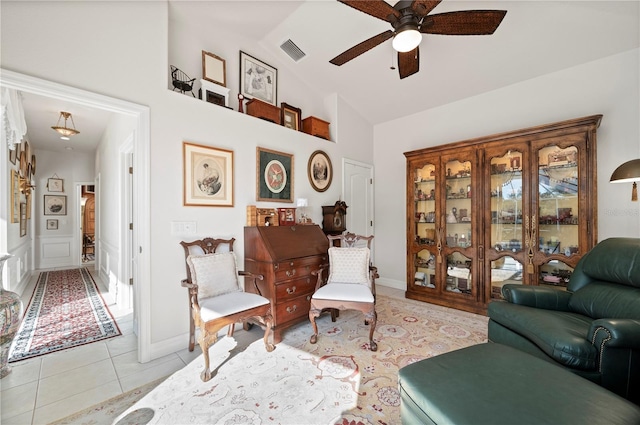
19, 267
55, 251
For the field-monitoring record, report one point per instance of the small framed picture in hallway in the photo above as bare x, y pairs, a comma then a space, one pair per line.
55, 205
52, 224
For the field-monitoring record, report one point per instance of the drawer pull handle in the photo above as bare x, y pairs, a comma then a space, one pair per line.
291, 310
291, 290
291, 272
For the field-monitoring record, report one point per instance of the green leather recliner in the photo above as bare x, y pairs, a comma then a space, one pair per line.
592, 329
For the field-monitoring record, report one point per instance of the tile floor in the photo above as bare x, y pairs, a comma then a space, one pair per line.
51, 387
43, 389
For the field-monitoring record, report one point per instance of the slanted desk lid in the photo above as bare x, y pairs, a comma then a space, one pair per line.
285, 242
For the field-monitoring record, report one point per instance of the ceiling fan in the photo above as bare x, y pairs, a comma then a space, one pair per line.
410, 19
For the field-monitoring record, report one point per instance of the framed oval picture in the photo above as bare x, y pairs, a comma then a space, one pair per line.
320, 171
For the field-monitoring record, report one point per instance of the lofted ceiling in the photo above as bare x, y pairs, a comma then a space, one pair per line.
535, 38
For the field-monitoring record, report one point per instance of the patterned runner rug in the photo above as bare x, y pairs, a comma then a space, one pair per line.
336, 381
66, 310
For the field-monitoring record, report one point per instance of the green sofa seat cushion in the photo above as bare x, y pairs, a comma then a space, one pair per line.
494, 384
559, 334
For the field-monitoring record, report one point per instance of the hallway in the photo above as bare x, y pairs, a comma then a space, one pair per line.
50, 387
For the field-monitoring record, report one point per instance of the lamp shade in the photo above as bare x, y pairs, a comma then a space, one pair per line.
406, 40
627, 172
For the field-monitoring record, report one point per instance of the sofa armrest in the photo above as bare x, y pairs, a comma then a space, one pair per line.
615, 333
536, 296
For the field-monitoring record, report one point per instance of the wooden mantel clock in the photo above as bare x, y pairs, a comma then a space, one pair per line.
334, 220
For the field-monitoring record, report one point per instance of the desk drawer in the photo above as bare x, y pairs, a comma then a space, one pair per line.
297, 268
295, 288
293, 309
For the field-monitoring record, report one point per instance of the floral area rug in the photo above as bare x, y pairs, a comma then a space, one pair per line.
66, 310
336, 381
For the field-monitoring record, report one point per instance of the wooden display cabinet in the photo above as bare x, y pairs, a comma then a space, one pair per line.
517, 207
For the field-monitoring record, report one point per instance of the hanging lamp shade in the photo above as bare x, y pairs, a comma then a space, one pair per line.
65, 130
626, 173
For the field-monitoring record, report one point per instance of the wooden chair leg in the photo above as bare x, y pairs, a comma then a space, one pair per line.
313, 313
205, 340
268, 321
372, 319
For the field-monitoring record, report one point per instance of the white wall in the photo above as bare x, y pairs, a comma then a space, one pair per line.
608, 86
121, 50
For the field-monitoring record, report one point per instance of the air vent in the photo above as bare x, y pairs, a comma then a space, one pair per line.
292, 50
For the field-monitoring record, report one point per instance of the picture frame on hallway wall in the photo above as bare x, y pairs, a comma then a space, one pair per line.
23, 219
52, 224
208, 176
55, 205
15, 196
274, 176
320, 171
55, 184
258, 79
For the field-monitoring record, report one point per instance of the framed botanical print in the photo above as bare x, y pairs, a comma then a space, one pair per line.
52, 224
208, 176
258, 80
23, 219
15, 196
55, 205
274, 175
320, 171
290, 117
55, 185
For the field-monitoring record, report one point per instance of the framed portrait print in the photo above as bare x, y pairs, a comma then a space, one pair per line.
208, 176
214, 68
274, 175
55, 205
55, 185
23, 219
258, 80
15, 196
320, 171
290, 116
52, 224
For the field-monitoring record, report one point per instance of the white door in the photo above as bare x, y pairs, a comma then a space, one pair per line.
358, 194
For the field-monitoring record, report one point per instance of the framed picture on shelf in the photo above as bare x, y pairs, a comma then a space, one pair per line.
274, 174
258, 80
52, 224
13, 154
290, 117
55, 205
208, 176
55, 185
214, 68
320, 171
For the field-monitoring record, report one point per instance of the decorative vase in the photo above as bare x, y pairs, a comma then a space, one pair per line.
10, 315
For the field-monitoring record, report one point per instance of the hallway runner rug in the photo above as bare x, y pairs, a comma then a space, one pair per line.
66, 310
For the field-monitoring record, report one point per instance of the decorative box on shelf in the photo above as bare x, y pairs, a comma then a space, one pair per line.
287, 216
316, 127
260, 109
261, 216
214, 93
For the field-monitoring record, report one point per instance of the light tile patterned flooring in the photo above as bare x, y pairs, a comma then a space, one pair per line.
53, 386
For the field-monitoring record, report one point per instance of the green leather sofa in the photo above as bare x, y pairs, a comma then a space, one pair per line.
592, 329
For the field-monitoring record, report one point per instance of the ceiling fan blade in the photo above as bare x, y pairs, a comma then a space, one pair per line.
409, 62
359, 49
423, 7
377, 8
466, 22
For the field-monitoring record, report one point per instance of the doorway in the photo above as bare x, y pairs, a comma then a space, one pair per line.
87, 223
141, 202
358, 194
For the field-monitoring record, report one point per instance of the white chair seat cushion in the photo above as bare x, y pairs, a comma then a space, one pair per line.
215, 274
227, 304
344, 292
348, 265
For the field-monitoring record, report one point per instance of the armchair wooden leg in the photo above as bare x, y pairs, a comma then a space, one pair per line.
313, 313
205, 340
372, 319
268, 320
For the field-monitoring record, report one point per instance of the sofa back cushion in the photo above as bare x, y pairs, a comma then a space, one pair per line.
600, 300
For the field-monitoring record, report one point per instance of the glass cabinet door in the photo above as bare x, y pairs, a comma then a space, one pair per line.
506, 195
425, 225
558, 202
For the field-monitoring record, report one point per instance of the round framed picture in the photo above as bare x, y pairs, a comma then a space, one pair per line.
320, 171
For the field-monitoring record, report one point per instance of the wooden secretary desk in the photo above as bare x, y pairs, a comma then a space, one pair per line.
285, 256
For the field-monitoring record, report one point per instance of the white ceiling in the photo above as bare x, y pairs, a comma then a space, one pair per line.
535, 38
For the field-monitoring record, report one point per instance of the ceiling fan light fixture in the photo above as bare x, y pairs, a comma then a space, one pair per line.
406, 39
64, 130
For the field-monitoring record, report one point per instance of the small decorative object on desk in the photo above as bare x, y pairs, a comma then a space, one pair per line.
10, 315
